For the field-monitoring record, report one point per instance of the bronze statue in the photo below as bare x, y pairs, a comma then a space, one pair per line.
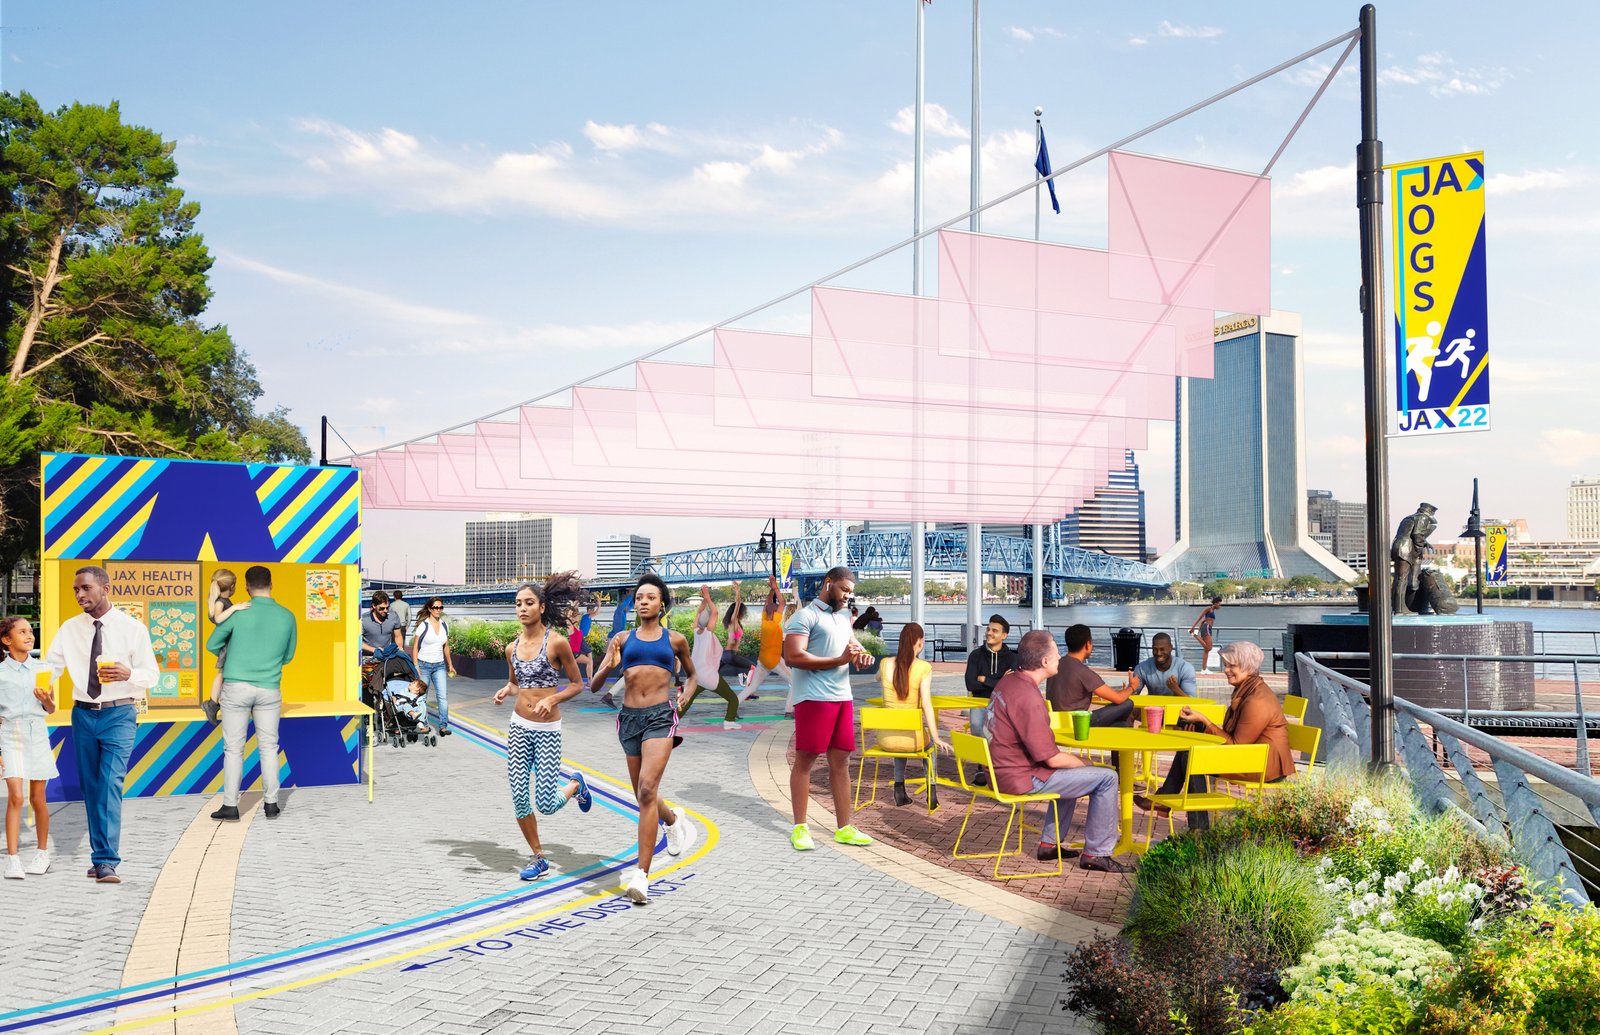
1434, 593
1409, 547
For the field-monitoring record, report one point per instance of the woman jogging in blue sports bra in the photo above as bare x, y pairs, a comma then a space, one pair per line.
647, 725
537, 661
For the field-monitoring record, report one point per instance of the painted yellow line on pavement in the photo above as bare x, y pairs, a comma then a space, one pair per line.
712, 837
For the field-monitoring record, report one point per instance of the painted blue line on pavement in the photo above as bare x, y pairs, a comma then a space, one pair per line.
336, 946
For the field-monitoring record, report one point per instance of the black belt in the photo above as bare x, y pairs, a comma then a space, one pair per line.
95, 706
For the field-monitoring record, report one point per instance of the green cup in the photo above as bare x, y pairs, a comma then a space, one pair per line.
1080, 725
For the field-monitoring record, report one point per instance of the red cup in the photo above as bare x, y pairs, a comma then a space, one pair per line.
1154, 717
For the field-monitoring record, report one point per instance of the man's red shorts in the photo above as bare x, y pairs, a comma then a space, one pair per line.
823, 726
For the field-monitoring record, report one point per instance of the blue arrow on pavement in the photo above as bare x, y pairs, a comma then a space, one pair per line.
425, 966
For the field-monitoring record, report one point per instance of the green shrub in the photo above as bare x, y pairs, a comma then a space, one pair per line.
1373, 1009
1264, 890
1166, 857
479, 639
1540, 975
1345, 960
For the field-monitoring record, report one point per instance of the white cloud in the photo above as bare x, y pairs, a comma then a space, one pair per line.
1137, 41
1028, 35
1321, 180
608, 137
1018, 32
1533, 180
367, 302
1195, 32
936, 122
1337, 351
1443, 77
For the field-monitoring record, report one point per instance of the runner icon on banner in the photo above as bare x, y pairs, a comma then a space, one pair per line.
1440, 366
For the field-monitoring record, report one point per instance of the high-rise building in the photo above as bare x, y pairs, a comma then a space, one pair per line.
1241, 502
1583, 509
505, 548
618, 558
1112, 521
1339, 526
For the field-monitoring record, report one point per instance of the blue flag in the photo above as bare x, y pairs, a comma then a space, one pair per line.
1042, 164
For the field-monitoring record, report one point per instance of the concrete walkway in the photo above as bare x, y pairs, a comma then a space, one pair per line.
405, 914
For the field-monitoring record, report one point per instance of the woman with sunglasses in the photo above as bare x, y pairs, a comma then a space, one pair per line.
430, 653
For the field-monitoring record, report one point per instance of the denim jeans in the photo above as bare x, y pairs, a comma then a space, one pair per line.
243, 704
437, 675
102, 741
1100, 824
978, 721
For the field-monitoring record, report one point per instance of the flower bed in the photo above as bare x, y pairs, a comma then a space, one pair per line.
1337, 905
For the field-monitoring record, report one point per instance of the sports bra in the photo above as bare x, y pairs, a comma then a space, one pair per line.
538, 673
657, 652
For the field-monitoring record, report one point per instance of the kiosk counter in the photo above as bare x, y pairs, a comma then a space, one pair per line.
162, 529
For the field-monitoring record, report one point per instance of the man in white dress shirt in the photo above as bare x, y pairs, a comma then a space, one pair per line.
103, 642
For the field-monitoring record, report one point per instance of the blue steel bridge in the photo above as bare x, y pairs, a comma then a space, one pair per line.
869, 553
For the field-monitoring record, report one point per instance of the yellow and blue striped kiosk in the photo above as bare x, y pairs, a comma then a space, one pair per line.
162, 529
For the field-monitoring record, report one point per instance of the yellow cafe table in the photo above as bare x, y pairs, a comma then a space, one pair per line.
944, 703
1174, 704
1125, 742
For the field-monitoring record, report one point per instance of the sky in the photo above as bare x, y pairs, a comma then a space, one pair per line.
424, 213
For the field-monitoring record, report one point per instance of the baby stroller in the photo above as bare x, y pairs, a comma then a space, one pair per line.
387, 687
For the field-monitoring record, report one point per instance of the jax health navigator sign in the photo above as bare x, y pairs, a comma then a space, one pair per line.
1440, 369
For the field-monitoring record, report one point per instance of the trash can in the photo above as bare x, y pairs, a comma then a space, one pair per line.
1125, 644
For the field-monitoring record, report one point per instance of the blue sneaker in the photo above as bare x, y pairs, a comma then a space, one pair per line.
536, 868
584, 799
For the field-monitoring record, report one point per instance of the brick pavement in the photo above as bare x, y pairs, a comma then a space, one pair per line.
753, 937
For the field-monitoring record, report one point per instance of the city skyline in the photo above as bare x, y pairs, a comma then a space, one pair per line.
349, 206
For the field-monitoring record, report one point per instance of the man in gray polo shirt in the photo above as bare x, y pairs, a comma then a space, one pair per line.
381, 630
820, 647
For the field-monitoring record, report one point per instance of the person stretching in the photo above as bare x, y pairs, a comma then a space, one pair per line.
1204, 629
818, 645
647, 725
707, 661
537, 661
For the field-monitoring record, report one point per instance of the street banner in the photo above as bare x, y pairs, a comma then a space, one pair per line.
1495, 557
785, 562
1440, 366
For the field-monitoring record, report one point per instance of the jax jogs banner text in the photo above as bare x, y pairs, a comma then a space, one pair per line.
1440, 370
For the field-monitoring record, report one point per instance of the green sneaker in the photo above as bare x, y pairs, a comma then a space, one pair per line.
800, 837
851, 836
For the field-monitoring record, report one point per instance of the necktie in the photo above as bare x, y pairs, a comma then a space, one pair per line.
94, 664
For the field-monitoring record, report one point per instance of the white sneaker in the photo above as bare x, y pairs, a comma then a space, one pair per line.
40, 863
638, 887
14, 867
731, 726
681, 835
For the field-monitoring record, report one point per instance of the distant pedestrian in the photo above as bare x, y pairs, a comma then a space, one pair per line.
259, 641
27, 695
382, 634
707, 655
1203, 629
579, 641
820, 648
647, 725
113, 666
733, 618
430, 654
619, 623
400, 609
538, 661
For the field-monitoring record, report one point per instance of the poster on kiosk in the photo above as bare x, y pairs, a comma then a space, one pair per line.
164, 531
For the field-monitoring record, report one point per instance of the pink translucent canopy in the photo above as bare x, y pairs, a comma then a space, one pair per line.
1007, 396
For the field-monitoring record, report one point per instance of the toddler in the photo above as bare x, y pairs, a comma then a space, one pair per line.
220, 607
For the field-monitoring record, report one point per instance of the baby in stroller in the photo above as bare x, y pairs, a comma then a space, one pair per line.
391, 688
410, 702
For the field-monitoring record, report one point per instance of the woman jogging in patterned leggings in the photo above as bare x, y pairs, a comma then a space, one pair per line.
647, 725
537, 661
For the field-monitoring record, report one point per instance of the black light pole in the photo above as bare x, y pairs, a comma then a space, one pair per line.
324, 442
769, 541
1474, 531
1369, 204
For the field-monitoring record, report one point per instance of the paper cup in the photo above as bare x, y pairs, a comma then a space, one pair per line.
1154, 716
1080, 725
41, 680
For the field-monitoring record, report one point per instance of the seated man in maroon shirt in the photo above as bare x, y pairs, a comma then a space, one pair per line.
1027, 760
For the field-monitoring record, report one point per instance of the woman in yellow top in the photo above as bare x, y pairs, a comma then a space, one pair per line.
908, 683
770, 660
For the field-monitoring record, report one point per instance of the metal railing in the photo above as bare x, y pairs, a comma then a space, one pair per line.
1524, 816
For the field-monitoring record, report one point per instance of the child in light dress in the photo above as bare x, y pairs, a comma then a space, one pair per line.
27, 695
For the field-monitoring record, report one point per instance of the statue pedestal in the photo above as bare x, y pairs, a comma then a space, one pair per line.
1432, 683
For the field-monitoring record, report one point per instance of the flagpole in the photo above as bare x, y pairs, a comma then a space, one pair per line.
972, 636
918, 558
1038, 529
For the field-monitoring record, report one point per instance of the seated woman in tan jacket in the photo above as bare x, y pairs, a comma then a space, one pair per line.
1254, 716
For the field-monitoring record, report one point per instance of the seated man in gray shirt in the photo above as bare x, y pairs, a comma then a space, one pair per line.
1163, 672
1076, 685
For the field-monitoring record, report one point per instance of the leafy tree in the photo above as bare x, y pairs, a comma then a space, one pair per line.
1223, 588
104, 286
1301, 583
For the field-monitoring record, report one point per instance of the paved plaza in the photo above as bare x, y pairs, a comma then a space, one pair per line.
405, 914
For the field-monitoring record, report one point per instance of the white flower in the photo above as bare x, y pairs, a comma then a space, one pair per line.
1417, 865
1385, 918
